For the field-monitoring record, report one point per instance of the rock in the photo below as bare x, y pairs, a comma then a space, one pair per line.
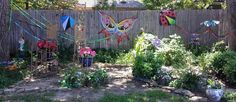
33, 89
1, 92
198, 99
20, 90
168, 88
9, 91
184, 92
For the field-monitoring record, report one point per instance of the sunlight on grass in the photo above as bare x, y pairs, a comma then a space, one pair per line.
149, 96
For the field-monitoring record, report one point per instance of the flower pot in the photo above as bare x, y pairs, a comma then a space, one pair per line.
86, 62
214, 95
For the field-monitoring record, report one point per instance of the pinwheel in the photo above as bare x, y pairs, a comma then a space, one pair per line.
156, 42
67, 22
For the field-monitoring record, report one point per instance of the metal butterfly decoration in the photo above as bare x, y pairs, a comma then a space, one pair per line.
110, 27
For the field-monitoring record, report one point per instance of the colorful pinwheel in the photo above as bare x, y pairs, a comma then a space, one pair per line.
67, 22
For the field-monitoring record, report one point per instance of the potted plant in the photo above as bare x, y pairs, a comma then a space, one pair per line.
214, 90
86, 56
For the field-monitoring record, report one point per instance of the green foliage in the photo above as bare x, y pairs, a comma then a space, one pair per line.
174, 53
65, 53
105, 6
229, 97
47, 4
73, 78
125, 58
177, 4
8, 77
197, 50
108, 55
146, 61
219, 46
148, 96
146, 65
98, 78
214, 84
187, 80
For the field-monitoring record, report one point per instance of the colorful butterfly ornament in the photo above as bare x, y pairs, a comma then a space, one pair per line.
167, 17
112, 28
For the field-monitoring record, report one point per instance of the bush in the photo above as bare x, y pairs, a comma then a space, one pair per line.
174, 53
75, 79
98, 78
146, 65
8, 77
65, 53
187, 80
72, 79
108, 55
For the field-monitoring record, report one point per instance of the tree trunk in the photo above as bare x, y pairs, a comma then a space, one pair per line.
4, 29
231, 9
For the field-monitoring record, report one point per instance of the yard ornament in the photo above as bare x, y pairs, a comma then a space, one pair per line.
156, 42
111, 28
67, 22
210, 23
167, 17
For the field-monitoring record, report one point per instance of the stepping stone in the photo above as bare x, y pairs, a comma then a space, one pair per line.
184, 92
198, 99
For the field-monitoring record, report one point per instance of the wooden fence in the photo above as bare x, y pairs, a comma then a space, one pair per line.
188, 20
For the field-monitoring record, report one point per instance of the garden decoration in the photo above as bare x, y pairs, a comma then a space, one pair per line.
210, 23
67, 22
195, 39
86, 56
214, 90
167, 17
21, 47
156, 42
112, 28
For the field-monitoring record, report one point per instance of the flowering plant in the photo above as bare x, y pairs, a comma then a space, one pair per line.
214, 84
86, 52
45, 44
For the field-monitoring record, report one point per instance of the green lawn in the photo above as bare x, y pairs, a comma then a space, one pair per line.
149, 96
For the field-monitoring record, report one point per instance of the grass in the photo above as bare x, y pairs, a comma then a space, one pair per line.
149, 96
229, 97
43, 97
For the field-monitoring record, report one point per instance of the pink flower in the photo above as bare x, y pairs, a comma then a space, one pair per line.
93, 53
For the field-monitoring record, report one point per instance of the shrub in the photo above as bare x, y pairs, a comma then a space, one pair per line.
219, 46
8, 77
187, 80
174, 53
75, 79
108, 55
98, 78
72, 79
146, 65
65, 52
